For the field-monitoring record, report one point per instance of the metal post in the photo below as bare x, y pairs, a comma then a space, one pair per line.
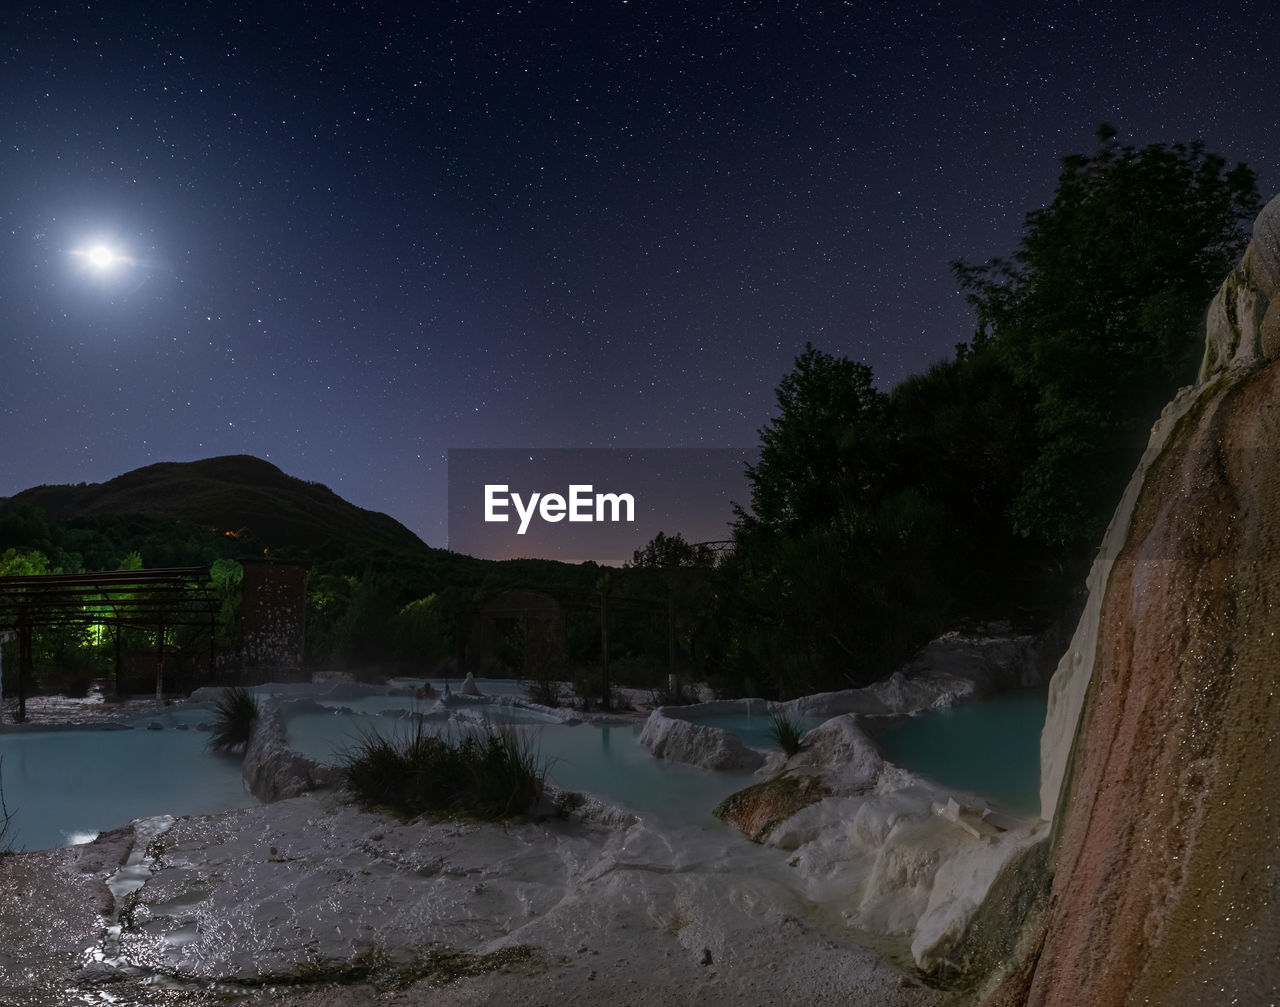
4, 638
672, 682
604, 643
24, 664
160, 662
461, 627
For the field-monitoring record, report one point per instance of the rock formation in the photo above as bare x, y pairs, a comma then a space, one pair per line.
669, 735
1159, 754
271, 769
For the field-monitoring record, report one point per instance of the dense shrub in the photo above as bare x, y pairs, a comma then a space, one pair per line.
488, 773
543, 691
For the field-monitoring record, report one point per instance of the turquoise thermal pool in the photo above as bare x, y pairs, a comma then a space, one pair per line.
990, 748
605, 760
64, 786
755, 730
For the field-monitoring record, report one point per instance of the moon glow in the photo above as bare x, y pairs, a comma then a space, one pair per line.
101, 257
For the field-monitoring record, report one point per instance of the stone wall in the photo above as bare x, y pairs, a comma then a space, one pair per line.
273, 617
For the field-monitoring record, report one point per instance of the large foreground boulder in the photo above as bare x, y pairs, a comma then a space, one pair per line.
1160, 758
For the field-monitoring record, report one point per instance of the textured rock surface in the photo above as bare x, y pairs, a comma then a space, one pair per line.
1164, 868
951, 669
272, 769
1243, 322
760, 808
871, 844
1068, 685
332, 907
51, 916
953, 939
669, 736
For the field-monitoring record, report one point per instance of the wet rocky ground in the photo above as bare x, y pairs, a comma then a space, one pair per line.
313, 903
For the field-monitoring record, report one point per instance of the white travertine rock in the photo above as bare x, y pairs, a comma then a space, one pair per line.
959, 888
947, 670
848, 759
272, 769
305, 887
1264, 254
676, 739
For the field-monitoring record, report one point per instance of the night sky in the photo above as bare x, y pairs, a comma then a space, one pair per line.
350, 237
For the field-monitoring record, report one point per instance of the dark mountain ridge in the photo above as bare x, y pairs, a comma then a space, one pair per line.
239, 494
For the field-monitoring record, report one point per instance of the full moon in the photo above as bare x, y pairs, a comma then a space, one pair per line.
101, 257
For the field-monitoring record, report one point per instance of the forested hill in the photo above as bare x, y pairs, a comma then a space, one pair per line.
240, 494
376, 593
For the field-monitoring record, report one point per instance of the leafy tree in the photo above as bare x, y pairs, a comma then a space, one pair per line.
328, 595
964, 436
420, 633
665, 551
26, 527
1097, 315
364, 629
227, 577
834, 577
31, 563
822, 458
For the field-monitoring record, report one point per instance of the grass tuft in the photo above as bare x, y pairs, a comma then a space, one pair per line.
235, 711
787, 733
6, 818
486, 772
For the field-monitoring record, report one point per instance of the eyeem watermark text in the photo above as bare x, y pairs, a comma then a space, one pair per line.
580, 506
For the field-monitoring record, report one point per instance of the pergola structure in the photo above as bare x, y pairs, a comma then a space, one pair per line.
147, 599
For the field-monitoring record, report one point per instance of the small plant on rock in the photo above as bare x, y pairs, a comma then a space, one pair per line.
787, 733
235, 711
